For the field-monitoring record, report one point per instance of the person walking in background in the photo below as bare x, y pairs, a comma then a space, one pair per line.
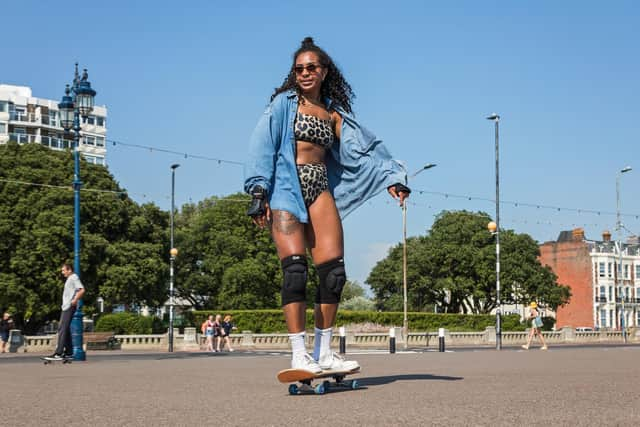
207, 331
310, 164
536, 326
6, 324
71, 294
227, 326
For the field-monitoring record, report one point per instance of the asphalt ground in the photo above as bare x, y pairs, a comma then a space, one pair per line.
586, 385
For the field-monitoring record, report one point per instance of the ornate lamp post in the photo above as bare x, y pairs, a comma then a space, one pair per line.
405, 321
173, 253
77, 101
494, 228
619, 278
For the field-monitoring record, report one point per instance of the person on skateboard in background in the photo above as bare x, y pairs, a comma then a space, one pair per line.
72, 293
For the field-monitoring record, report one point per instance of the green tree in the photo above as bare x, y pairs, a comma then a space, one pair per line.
454, 267
225, 261
36, 224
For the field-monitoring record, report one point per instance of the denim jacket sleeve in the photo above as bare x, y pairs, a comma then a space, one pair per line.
263, 148
360, 166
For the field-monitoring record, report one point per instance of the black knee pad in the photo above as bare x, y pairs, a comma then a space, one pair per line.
332, 279
294, 285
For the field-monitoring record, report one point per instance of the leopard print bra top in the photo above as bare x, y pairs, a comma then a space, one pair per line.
312, 129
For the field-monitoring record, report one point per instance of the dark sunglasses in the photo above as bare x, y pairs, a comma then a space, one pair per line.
311, 68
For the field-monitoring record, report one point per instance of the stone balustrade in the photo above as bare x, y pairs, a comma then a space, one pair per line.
192, 341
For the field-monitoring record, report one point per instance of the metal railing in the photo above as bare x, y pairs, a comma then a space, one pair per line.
47, 119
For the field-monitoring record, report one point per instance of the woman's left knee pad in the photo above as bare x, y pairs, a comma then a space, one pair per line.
332, 279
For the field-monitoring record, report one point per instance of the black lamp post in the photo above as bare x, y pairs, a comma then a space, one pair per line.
495, 229
77, 101
173, 253
619, 275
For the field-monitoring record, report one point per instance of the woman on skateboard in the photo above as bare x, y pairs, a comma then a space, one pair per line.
310, 164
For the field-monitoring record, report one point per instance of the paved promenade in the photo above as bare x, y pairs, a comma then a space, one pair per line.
565, 386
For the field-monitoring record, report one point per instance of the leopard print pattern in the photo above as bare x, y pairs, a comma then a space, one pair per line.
313, 180
313, 129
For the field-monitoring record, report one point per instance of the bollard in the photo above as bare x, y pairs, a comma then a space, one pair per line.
343, 341
441, 340
392, 340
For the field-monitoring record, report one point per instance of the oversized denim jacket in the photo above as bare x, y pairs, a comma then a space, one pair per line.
358, 165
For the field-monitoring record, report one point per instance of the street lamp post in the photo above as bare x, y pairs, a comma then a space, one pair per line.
496, 120
77, 101
619, 279
405, 321
173, 253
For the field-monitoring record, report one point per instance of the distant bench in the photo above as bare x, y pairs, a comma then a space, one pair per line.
100, 340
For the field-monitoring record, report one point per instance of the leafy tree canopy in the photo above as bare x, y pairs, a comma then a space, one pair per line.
453, 266
122, 253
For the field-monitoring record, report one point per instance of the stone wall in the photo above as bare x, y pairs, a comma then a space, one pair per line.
192, 341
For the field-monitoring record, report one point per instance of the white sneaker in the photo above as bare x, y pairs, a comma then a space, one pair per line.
335, 362
306, 362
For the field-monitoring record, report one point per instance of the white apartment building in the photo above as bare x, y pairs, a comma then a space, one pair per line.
29, 120
613, 298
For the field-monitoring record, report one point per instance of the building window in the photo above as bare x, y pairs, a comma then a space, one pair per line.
610, 270
100, 141
612, 319
100, 121
602, 269
3, 128
610, 293
603, 318
89, 140
94, 160
637, 272
619, 268
603, 293
4, 107
626, 271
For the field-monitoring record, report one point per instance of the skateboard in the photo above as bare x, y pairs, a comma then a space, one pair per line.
305, 378
48, 360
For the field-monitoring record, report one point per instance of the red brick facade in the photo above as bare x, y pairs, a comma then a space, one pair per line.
571, 262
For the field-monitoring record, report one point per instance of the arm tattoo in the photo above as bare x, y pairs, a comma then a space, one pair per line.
284, 222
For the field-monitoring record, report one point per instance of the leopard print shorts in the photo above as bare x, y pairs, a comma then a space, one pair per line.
313, 180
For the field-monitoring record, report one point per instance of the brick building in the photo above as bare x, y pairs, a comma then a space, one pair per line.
591, 269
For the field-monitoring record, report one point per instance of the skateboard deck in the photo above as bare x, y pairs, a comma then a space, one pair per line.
48, 360
305, 378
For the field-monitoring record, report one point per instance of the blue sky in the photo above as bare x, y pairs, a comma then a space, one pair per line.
195, 76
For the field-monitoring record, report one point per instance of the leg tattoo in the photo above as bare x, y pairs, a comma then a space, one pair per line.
284, 222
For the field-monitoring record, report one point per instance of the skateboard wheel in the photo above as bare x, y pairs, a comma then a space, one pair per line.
293, 389
354, 384
319, 389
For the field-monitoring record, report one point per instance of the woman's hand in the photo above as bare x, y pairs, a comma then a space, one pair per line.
263, 220
399, 192
259, 210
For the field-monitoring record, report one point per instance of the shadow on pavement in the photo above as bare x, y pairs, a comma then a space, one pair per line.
369, 381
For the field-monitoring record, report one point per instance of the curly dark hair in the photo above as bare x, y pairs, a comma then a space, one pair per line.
334, 86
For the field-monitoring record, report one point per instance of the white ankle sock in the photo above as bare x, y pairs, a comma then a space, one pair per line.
322, 343
297, 343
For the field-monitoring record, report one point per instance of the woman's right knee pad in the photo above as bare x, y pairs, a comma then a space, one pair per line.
294, 284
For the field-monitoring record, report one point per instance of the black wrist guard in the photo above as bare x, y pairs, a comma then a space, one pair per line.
258, 203
401, 188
